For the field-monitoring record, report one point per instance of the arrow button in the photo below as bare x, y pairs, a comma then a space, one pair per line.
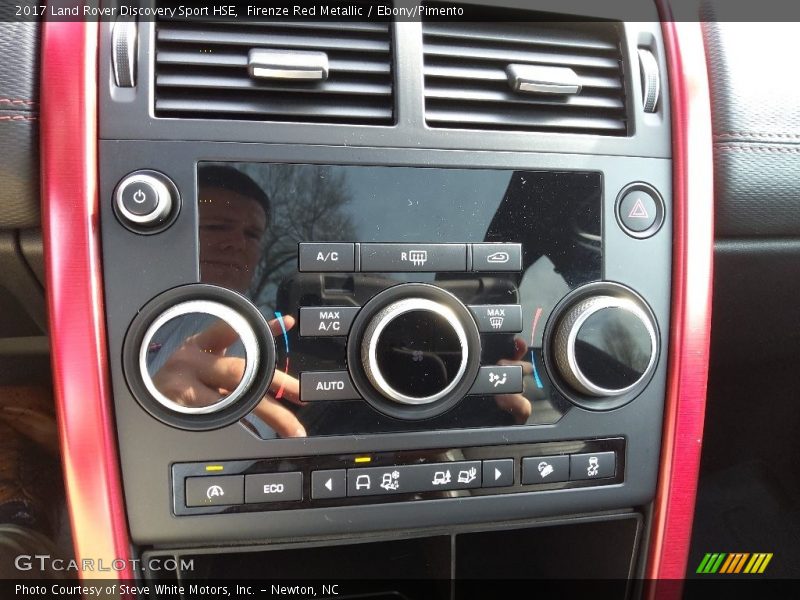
328, 484
498, 472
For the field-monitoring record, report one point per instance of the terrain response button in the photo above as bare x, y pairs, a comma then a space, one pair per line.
328, 484
403, 479
406, 258
498, 380
273, 487
326, 385
545, 469
326, 320
498, 472
498, 318
327, 257
214, 491
592, 466
496, 257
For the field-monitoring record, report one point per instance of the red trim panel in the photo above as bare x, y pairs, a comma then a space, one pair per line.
693, 223
74, 295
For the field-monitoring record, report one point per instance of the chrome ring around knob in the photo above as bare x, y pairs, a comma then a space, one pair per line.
372, 335
162, 191
215, 309
567, 332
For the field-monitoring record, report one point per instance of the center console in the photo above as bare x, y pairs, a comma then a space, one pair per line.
324, 329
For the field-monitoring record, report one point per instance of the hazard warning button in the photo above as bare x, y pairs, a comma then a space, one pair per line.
640, 210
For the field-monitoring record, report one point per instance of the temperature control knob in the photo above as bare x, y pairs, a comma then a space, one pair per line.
605, 345
414, 351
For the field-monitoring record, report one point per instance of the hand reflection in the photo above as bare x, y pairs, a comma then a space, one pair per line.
517, 404
198, 373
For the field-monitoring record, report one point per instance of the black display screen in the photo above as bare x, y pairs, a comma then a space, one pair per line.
252, 217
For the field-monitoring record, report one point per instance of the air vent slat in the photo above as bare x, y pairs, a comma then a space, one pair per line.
473, 74
513, 55
201, 72
240, 37
220, 59
220, 82
523, 119
495, 74
307, 25
478, 95
286, 106
510, 33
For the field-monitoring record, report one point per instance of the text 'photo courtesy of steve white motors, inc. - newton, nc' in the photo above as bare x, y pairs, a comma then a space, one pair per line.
366, 10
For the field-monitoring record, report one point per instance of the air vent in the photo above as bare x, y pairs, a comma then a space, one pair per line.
473, 70
202, 71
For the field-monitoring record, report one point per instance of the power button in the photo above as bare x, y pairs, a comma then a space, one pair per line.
145, 200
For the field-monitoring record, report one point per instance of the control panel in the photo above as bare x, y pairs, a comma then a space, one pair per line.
385, 477
338, 345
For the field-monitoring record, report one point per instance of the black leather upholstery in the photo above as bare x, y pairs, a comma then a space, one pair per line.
755, 97
19, 125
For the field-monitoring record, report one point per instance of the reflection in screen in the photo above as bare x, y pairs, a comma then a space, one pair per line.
252, 216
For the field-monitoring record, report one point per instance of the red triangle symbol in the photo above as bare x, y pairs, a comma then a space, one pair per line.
638, 211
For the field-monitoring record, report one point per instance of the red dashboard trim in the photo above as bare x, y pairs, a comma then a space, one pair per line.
75, 299
693, 223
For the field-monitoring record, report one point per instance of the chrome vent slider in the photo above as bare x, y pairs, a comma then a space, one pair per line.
293, 65
543, 79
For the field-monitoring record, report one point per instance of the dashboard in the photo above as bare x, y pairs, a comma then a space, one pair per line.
407, 293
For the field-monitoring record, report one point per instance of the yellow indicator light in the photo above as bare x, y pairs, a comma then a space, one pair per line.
363, 459
210, 468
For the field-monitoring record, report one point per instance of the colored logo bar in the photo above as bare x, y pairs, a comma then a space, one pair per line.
734, 563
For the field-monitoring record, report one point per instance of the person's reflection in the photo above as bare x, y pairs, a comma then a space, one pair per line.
234, 214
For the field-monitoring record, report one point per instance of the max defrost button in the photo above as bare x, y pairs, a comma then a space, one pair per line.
327, 320
273, 487
326, 385
327, 257
498, 318
214, 491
